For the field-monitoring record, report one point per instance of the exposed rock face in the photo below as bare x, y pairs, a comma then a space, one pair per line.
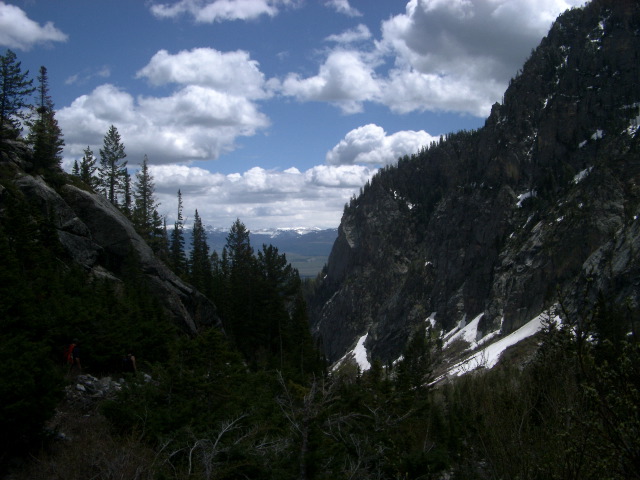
542, 202
99, 237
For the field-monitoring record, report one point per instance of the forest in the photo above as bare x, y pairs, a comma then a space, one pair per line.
256, 399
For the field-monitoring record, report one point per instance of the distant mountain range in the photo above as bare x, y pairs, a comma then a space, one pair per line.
307, 249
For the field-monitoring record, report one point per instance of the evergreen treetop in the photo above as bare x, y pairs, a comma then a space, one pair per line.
15, 89
113, 167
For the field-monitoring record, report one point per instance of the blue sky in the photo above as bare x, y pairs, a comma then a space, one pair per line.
272, 111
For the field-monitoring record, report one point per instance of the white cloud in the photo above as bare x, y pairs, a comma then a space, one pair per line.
19, 31
458, 55
370, 145
209, 11
193, 123
231, 72
343, 6
213, 105
260, 198
357, 34
346, 78
453, 55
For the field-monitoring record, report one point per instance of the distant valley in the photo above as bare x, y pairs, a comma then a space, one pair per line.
306, 249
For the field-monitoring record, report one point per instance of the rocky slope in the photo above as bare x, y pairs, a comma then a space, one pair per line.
539, 205
97, 236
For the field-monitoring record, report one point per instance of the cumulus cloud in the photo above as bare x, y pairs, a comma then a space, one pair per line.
459, 55
347, 78
209, 11
232, 72
343, 6
20, 32
194, 123
370, 145
260, 198
213, 105
453, 55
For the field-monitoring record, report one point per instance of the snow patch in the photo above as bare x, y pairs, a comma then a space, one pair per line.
467, 333
488, 357
523, 196
360, 353
582, 175
598, 134
431, 320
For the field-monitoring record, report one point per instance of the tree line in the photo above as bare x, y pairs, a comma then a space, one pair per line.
18, 109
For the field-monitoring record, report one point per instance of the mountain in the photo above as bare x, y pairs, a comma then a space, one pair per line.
538, 208
306, 249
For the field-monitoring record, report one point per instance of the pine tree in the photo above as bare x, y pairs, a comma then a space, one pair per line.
159, 241
15, 88
127, 195
45, 134
144, 202
177, 257
87, 170
239, 246
112, 167
199, 262
241, 309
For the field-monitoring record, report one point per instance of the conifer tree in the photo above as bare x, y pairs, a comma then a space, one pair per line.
45, 134
177, 257
199, 262
241, 310
144, 202
112, 168
127, 195
239, 246
159, 241
15, 88
87, 169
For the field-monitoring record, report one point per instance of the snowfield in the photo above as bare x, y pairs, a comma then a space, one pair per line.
481, 357
488, 356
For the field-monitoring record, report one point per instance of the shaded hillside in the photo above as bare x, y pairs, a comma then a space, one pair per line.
93, 235
539, 204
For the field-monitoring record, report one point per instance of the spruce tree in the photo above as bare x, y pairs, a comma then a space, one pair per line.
15, 88
177, 257
200, 265
112, 168
87, 169
45, 134
159, 241
127, 202
144, 202
241, 310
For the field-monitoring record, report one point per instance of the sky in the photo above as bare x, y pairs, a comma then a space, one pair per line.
275, 112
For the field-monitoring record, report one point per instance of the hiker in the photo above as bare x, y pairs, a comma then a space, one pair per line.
129, 363
72, 357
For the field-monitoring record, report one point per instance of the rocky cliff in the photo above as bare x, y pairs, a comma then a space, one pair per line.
97, 236
540, 204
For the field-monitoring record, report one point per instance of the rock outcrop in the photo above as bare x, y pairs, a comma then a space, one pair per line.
97, 236
541, 203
